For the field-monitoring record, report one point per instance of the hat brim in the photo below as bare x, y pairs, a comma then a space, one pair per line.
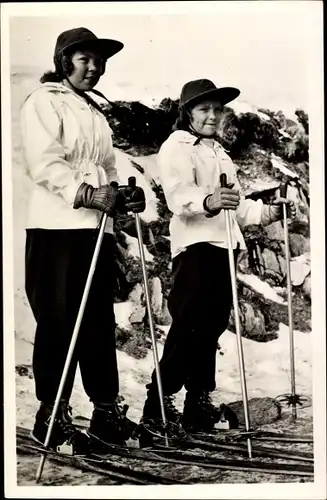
104, 46
223, 94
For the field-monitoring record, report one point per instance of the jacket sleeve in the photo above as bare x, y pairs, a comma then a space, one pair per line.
41, 129
110, 163
249, 211
176, 169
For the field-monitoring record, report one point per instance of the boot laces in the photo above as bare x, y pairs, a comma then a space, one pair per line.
113, 410
64, 421
169, 406
205, 400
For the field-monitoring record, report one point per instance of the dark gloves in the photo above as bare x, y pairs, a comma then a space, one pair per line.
223, 198
130, 199
103, 198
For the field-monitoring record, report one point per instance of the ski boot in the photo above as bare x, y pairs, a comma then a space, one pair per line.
109, 424
65, 438
200, 415
151, 424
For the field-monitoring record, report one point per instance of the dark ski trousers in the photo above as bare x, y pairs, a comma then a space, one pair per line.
57, 263
200, 303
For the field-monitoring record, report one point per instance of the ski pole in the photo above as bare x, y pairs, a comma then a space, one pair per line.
72, 343
223, 181
293, 400
132, 183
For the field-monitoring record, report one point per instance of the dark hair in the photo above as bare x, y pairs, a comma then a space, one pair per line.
183, 120
63, 67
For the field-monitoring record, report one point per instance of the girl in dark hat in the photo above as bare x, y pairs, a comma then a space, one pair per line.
71, 161
191, 161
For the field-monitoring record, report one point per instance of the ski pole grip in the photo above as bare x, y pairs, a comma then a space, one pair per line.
132, 182
283, 190
223, 180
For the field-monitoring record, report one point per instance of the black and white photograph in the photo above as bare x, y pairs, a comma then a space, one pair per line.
163, 249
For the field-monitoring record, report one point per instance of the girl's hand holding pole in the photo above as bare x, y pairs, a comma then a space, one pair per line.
103, 198
223, 198
276, 209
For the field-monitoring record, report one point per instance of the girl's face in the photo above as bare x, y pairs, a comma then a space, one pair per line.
205, 117
88, 68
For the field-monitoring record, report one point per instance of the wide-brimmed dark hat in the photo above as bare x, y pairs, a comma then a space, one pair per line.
199, 90
81, 37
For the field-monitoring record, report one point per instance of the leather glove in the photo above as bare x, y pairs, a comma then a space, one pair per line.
103, 198
223, 198
274, 211
131, 199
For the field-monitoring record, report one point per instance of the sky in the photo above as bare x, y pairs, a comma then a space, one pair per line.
267, 49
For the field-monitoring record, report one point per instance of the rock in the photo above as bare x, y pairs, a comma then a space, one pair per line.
282, 264
253, 321
299, 244
261, 410
275, 231
270, 261
295, 194
165, 314
306, 287
243, 261
24, 370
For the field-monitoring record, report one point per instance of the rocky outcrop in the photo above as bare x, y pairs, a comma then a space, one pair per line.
261, 150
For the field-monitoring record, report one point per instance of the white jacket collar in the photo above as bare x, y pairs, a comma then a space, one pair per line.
188, 138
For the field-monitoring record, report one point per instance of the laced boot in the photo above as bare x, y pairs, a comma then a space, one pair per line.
152, 409
64, 434
201, 415
151, 425
109, 424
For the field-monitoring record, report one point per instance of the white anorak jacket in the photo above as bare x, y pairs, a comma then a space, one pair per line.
190, 170
66, 142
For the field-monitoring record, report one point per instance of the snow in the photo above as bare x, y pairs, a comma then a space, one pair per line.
150, 95
151, 170
242, 107
267, 366
123, 311
133, 248
264, 116
300, 268
260, 286
284, 134
267, 375
279, 164
261, 185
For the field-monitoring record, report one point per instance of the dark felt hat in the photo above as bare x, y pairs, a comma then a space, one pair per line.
199, 90
81, 37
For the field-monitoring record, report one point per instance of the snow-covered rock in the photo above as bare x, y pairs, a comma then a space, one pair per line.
133, 248
136, 298
300, 268
279, 164
261, 287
